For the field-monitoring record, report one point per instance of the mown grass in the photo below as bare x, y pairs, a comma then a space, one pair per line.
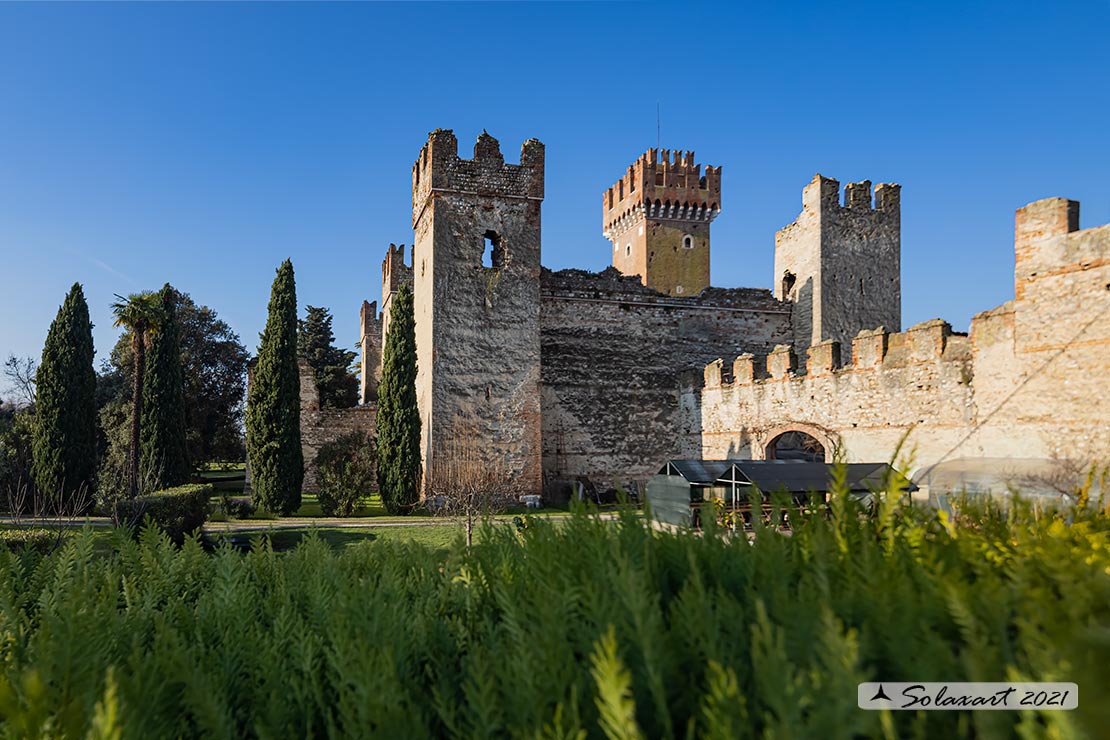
338, 538
590, 628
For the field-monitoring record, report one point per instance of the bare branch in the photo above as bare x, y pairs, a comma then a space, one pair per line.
467, 485
20, 372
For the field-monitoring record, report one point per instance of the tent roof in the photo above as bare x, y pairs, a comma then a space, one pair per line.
700, 472
778, 475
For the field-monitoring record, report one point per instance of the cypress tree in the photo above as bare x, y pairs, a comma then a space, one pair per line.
274, 404
64, 438
338, 387
398, 415
163, 454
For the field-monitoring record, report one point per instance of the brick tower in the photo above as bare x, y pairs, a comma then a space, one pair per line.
476, 285
658, 217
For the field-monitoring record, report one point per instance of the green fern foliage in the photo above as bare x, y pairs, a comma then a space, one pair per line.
584, 628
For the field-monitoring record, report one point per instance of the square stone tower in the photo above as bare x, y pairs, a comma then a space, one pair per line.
476, 287
657, 216
840, 265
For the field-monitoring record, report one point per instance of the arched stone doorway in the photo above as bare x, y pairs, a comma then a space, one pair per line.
797, 442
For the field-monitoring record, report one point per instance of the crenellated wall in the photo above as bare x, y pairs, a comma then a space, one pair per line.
919, 378
1031, 381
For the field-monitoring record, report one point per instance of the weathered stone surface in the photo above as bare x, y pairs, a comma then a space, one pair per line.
320, 426
840, 264
612, 351
478, 326
606, 375
1032, 381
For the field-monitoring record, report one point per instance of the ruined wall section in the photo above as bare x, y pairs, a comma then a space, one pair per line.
919, 379
612, 352
840, 264
478, 327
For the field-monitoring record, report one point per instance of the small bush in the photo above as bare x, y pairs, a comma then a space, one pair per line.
345, 473
178, 511
238, 507
32, 538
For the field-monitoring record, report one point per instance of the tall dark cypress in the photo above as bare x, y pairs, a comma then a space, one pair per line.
274, 404
64, 440
163, 455
398, 416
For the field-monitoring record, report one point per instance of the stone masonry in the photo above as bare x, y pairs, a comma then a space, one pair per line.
1031, 381
572, 375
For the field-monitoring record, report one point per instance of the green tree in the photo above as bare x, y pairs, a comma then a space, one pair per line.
214, 363
337, 385
345, 473
274, 404
162, 453
141, 315
398, 416
64, 439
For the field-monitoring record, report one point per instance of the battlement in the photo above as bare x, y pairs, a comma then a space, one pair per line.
395, 272
872, 349
1049, 246
370, 321
822, 194
662, 184
439, 168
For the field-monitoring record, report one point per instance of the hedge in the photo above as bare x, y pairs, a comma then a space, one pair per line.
178, 511
33, 538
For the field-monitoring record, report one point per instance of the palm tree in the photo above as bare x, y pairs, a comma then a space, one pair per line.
140, 314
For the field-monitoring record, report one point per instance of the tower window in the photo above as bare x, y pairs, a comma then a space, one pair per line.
627, 250
688, 242
493, 253
788, 280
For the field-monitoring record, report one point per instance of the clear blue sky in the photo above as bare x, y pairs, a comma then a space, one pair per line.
201, 144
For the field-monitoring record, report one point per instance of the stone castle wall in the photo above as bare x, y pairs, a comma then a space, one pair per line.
612, 351
1031, 381
322, 425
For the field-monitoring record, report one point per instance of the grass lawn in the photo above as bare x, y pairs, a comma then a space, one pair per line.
342, 537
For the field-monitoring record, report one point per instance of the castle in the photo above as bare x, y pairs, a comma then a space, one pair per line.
571, 375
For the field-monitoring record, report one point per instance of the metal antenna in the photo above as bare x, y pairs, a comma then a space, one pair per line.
658, 125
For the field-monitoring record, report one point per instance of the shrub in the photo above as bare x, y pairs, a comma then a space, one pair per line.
587, 628
345, 473
32, 538
178, 511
